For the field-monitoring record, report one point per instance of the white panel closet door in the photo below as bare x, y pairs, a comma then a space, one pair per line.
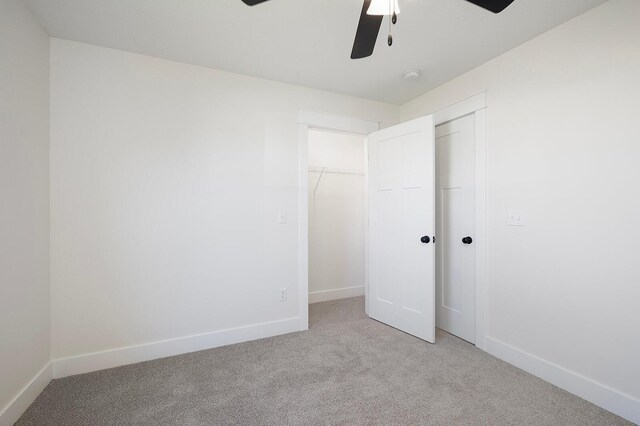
455, 252
401, 196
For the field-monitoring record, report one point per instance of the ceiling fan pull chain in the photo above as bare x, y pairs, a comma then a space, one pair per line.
394, 16
392, 20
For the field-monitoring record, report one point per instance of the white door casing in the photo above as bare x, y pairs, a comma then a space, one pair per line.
455, 219
308, 119
401, 193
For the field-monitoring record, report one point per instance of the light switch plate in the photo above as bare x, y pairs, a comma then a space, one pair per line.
282, 218
515, 218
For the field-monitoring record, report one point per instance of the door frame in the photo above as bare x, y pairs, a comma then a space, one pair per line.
477, 106
317, 120
309, 119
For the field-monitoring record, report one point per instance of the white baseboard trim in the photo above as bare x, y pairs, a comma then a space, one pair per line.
95, 361
14, 409
599, 394
338, 293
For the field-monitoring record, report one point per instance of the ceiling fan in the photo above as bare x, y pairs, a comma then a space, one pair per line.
371, 20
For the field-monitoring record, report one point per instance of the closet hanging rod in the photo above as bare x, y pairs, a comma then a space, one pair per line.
335, 171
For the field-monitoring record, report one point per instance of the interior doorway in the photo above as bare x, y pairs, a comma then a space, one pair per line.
337, 216
310, 121
379, 175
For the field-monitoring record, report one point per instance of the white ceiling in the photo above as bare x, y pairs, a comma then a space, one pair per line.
308, 42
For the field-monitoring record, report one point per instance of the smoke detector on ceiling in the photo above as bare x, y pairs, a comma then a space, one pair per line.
411, 75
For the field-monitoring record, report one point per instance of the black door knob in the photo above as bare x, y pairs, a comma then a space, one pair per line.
467, 240
425, 240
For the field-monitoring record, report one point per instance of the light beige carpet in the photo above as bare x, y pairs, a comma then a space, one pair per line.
347, 370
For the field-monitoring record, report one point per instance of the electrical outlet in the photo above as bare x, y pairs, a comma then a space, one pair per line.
283, 294
515, 218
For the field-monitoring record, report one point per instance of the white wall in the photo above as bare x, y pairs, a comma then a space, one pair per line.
562, 144
24, 203
336, 215
166, 183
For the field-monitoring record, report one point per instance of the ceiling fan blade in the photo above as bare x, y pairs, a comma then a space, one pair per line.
366, 34
253, 2
496, 6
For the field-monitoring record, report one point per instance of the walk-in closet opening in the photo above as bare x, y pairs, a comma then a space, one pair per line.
337, 212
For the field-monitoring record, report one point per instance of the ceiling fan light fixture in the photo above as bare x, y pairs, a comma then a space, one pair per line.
383, 7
